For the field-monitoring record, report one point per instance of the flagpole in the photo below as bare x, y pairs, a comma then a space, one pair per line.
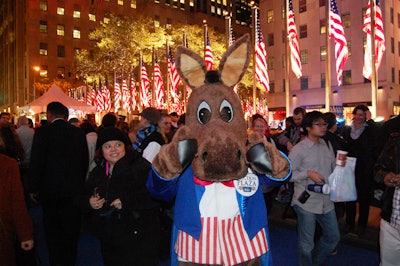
205, 36
184, 85
227, 29
153, 91
168, 83
254, 14
374, 79
140, 79
287, 68
327, 59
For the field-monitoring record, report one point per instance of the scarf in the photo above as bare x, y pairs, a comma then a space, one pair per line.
142, 134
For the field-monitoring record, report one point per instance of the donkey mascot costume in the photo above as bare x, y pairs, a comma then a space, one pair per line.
214, 171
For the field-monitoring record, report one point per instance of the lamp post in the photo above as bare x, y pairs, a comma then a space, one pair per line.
37, 69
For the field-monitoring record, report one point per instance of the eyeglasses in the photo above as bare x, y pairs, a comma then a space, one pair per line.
321, 124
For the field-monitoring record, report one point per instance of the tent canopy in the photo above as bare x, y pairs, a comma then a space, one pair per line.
54, 94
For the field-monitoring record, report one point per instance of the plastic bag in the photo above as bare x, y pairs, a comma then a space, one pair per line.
342, 182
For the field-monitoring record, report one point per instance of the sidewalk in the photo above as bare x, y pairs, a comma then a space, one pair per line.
369, 241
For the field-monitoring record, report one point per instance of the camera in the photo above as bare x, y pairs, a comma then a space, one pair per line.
303, 197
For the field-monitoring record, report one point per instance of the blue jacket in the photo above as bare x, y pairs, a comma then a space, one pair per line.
188, 195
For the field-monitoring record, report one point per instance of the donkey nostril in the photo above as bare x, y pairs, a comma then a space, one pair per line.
204, 157
239, 155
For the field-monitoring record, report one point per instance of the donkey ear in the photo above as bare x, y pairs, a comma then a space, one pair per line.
235, 61
191, 67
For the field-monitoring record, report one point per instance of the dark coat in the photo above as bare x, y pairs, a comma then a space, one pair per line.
59, 160
132, 233
14, 216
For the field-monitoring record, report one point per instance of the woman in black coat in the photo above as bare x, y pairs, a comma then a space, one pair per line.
124, 216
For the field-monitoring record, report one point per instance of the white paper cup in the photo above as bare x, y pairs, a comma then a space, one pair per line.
340, 156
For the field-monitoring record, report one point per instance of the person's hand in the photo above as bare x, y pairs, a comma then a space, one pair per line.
117, 204
34, 198
391, 179
367, 115
96, 202
27, 245
315, 176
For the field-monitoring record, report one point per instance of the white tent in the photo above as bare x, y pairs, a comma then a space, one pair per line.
54, 94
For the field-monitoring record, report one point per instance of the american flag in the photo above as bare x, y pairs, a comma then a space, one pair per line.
93, 96
126, 96
117, 95
99, 99
158, 84
261, 56
89, 99
293, 39
208, 54
337, 33
106, 96
133, 93
173, 76
145, 96
380, 46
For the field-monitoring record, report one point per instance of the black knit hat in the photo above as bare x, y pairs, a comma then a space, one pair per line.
111, 133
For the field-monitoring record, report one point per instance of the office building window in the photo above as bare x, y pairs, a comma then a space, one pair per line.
271, 63
302, 6
76, 34
284, 36
43, 26
391, 15
106, 18
346, 77
133, 4
60, 11
392, 45
304, 56
270, 16
271, 86
92, 15
322, 80
349, 47
283, 12
304, 83
322, 3
322, 26
398, 48
43, 48
43, 73
60, 30
120, 2
61, 72
191, 5
60, 50
43, 5
169, 23
398, 20
77, 11
270, 39
157, 21
346, 20
322, 53
303, 31
392, 74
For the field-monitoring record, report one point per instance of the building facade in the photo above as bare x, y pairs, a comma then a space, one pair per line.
309, 90
38, 39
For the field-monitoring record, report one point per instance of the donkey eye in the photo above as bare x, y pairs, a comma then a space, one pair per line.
203, 113
226, 111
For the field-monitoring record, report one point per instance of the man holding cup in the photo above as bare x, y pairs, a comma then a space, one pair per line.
313, 161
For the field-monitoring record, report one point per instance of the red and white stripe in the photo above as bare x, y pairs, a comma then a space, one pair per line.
126, 96
99, 100
293, 40
222, 242
117, 96
261, 56
145, 97
159, 85
133, 93
208, 54
336, 32
107, 98
173, 76
380, 45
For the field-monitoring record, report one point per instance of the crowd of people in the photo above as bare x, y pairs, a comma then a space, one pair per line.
82, 174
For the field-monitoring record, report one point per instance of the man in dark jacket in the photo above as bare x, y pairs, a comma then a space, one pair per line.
387, 173
57, 171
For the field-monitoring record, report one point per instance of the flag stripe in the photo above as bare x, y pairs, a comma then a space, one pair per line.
293, 40
261, 56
